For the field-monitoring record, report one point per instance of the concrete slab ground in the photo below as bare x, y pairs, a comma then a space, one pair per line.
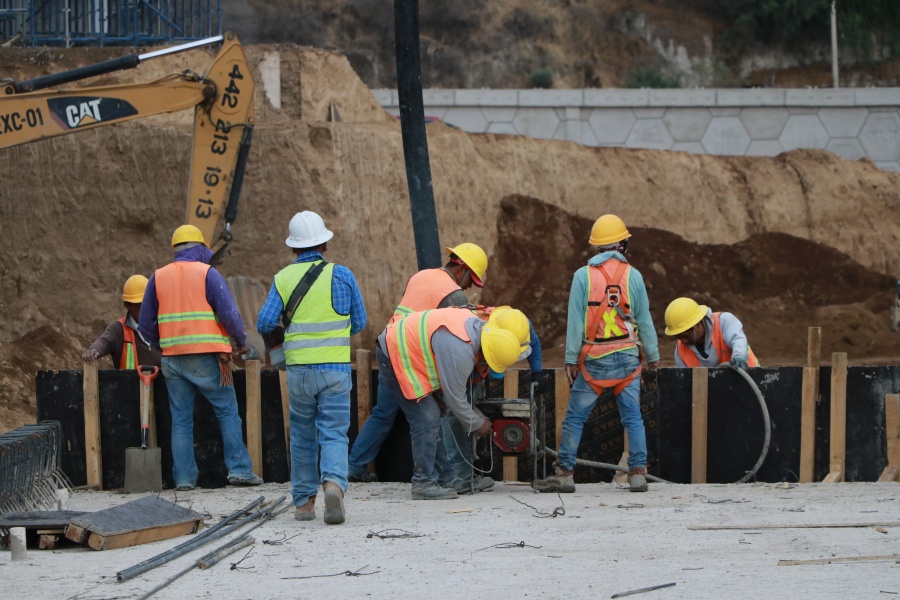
608, 541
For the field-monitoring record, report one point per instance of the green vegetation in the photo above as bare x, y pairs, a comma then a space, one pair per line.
652, 77
542, 78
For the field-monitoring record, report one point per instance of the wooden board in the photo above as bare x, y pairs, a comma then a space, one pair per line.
93, 456
699, 423
511, 390
254, 415
562, 389
39, 519
838, 418
808, 398
892, 433
363, 387
147, 519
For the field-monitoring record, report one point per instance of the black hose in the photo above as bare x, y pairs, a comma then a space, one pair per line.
768, 424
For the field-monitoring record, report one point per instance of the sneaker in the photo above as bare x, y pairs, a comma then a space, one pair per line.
307, 512
334, 503
185, 487
562, 481
638, 478
244, 480
432, 491
466, 485
362, 477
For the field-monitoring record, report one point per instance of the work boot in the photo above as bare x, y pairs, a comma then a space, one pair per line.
307, 512
245, 480
334, 503
562, 481
638, 478
363, 476
466, 485
432, 491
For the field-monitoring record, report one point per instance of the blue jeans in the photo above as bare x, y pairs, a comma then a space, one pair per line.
320, 417
424, 419
582, 399
185, 375
376, 429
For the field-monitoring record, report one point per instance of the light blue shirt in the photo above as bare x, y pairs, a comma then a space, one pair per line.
637, 298
732, 335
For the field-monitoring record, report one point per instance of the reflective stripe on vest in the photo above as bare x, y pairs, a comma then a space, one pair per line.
409, 347
128, 359
317, 334
723, 352
187, 322
606, 329
424, 291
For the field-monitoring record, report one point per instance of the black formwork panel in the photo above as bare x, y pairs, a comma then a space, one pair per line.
735, 426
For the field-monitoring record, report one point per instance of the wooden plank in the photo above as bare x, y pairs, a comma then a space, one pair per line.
511, 390
149, 512
838, 438
814, 347
254, 415
561, 390
363, 386
286, 415
621, 477
699, 423
808, 398
892, 433
47, 541
76, 534
92, 448
134, 538
838, 559
39, 519
795, 526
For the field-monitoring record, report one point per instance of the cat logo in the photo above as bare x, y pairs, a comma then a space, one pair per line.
82, 111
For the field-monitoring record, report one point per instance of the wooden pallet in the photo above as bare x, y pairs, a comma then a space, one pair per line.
148, 519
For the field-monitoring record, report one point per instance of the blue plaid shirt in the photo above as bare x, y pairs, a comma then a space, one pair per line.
345, 299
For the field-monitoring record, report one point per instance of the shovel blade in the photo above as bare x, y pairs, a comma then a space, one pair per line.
143, 470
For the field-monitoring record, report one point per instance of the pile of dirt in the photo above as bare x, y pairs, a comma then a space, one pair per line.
46, 347
777, 284
81, 213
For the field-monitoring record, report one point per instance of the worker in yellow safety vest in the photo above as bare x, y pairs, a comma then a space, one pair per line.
707, 338
609, 332
189, 313
122, 339
321, 307
437, 350
426, 290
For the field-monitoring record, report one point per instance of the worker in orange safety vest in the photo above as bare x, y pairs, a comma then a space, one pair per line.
707, 338
122, 339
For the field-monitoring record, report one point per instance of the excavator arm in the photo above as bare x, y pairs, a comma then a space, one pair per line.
222, 99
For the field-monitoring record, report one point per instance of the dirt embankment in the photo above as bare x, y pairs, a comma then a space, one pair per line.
81, 213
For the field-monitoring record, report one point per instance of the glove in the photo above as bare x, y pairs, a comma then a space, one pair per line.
738, 362
540, 383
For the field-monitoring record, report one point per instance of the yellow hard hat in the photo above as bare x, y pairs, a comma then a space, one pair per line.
608, 229
514, 320
682, 314
500, 347
134, 289
472, 256
188, 233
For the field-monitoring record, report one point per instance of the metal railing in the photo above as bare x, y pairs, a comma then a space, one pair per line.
108, 22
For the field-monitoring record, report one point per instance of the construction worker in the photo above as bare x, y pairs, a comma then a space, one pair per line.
122, 339
707, 338
609, 324
321, 305
437, 350
458, 470
428, 289
188, 311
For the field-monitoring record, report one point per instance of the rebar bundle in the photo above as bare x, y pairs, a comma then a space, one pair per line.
30, 472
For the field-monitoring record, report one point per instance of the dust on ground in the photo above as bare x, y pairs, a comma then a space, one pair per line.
491, 545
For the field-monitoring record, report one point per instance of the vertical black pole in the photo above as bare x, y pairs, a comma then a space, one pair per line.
412, 125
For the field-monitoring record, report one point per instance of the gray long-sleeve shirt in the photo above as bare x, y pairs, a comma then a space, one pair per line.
455, 361
732, 334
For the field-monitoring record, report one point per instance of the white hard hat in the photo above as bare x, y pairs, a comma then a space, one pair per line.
307, 230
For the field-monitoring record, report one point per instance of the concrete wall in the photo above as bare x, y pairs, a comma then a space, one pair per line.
853, 122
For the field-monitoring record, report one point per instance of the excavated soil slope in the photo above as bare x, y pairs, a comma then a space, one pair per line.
79, 214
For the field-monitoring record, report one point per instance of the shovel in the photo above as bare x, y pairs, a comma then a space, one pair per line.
143, 466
